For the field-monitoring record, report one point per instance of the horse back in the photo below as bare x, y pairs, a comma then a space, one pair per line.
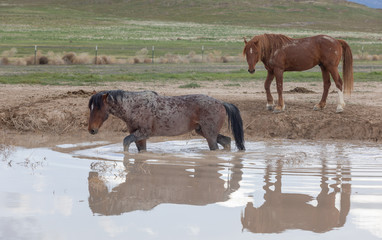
305, 53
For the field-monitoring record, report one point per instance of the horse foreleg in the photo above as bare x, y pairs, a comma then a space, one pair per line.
326, 79
279, 84
267, 86
127, 141
224, 141
141, 145
138, 138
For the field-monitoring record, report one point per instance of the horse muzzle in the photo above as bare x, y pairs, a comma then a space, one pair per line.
93, 131
251, 71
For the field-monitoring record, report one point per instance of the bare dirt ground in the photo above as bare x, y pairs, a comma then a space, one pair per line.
33, 115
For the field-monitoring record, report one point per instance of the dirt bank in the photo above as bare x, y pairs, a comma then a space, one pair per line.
62, 111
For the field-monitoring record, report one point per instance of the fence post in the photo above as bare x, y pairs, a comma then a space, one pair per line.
96, 55
35, 54
202, 53
152, 54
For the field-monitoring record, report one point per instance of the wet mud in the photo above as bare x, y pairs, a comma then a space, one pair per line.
63, 110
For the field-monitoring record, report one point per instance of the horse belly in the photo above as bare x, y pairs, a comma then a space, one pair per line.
173, 125
301, 62
301, 56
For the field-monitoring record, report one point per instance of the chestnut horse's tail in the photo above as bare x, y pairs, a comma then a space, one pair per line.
236, 124
347, 67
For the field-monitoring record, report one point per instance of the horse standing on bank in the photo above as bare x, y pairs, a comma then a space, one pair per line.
148, 114
280, 53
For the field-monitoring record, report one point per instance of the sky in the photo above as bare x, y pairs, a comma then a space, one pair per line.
369, 3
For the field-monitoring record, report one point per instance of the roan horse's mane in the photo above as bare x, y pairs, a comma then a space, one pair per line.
268, 44
97, 101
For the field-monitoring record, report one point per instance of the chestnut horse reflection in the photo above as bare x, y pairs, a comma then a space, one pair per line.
280, 53
148, 114
282, 211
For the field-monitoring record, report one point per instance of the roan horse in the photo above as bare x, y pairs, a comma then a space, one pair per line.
280, 53
148, 114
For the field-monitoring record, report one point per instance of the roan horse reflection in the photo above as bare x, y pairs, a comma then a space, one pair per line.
280, 53
148, 114
148, 185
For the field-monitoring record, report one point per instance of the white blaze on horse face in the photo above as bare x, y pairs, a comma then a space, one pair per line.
250, 50
92, 107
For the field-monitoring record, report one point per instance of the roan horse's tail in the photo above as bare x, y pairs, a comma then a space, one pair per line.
347, 67
236, 124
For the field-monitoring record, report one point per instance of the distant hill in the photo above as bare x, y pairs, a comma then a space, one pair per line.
337, 15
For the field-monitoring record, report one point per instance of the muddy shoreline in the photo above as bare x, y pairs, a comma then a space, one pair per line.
32, 112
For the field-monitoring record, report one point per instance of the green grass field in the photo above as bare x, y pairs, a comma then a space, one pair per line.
77, 77
121, 29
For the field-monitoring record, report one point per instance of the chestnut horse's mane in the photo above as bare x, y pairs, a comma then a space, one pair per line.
268, 44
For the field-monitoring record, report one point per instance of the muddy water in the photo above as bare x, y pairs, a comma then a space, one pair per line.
180, 190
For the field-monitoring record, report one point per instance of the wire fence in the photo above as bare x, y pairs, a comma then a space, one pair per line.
56, 55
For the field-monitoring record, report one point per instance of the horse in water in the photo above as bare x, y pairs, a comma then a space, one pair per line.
280, 53
148, 114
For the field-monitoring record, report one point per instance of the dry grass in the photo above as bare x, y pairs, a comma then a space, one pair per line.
6, 148
142, 56
366, 56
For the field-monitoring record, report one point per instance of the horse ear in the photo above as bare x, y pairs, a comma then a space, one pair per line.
104, 97
245, 40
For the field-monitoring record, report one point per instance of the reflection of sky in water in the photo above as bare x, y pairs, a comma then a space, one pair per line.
44, 194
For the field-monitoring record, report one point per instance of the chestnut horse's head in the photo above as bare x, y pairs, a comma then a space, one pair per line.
98, 111
252, 54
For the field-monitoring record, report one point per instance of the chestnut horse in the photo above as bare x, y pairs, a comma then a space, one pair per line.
280, 53
149, 114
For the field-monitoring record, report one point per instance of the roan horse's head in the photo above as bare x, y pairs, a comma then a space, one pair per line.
98, 111
252, 53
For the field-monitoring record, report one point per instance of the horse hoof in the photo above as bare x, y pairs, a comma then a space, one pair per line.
318, 107
279, 109
270, 107
339, 109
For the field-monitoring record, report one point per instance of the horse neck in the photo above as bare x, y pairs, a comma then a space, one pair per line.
116, 107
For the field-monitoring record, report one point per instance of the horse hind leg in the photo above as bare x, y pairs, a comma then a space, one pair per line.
211, 140
338, 81
279, 84
326, 79
224, 141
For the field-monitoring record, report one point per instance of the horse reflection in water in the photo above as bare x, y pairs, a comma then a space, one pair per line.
282, 211
148, 185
